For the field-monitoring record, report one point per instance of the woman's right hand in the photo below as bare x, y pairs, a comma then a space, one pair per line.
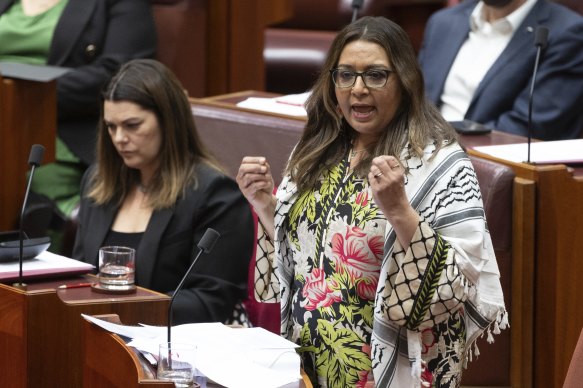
256, 183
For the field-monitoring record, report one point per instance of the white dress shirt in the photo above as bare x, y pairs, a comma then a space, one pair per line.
485, 43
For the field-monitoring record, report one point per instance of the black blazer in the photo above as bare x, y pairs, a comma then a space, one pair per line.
95, 37
218, 280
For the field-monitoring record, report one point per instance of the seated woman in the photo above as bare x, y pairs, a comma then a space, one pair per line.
156, 188
93, 39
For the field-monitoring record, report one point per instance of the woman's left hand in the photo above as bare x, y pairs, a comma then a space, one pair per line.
387, 181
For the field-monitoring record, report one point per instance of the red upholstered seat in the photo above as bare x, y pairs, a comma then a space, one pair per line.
295, 50
492, 367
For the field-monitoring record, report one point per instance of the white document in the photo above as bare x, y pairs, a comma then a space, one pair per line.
232, 357
543, 152
126, 331
290, 105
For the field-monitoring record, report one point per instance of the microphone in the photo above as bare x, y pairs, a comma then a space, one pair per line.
34, 159
356, 5
206, 244
541, 36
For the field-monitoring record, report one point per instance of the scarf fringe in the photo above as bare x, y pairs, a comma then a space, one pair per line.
494, 328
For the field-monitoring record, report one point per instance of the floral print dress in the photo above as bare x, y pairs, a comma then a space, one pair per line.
337, 268
432, 299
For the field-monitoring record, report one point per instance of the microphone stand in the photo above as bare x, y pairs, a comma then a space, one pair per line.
540, 41
206, 244
34, 159
356, 5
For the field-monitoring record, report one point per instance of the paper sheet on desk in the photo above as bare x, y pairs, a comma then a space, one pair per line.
291, 105
235, 357
232, 357
544, 152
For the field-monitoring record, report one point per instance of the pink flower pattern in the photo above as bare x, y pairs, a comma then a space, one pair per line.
360, 257
319, 291
362, 198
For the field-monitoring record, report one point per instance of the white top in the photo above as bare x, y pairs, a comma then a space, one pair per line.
485, 43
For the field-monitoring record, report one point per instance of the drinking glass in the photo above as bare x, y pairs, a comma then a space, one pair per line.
176, 363
117, 267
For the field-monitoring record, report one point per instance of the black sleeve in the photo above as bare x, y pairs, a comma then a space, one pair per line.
218, 280
127, 32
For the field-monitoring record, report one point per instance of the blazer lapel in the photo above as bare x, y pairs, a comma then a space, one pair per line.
148, 249
70, 26
442, 60
101, 221
521, 41
4, 4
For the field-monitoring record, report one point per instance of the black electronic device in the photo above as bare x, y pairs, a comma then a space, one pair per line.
469, 127
10, 246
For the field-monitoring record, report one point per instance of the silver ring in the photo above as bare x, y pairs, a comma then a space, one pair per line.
395, 166
378, 174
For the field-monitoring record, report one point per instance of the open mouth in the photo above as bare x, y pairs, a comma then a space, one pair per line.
362, 111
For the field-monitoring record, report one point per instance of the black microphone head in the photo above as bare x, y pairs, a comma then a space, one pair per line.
208, 240
541, 37
357, 4
36, 155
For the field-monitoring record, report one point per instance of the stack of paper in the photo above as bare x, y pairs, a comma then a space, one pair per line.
43, 266
231, 357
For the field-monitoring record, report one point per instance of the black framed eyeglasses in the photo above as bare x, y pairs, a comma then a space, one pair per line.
373, 78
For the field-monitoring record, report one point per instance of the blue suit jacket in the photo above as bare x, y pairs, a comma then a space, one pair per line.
501, 99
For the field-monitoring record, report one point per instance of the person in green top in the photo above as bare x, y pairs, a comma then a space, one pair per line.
93, 38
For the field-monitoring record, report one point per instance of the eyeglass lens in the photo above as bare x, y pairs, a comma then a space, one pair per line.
372, 78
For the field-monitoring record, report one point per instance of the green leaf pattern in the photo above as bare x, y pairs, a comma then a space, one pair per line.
334, 334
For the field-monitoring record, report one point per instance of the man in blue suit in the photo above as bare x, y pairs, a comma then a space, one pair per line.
478, 58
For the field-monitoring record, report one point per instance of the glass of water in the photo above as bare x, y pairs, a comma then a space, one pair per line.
176, 363
117, 267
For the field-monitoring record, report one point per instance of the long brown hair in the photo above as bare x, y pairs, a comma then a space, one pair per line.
152, 86
327, 137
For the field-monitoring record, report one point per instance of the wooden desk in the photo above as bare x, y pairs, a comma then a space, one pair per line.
233, 132
27, 116
109, 362
41, 332
558, 267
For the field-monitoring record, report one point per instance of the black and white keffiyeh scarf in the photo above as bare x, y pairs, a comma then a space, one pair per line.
449, 266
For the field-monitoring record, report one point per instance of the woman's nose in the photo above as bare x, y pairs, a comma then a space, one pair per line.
359, 85
118, 136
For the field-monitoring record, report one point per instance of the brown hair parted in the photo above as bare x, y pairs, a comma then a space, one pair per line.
152, 86
327, 137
